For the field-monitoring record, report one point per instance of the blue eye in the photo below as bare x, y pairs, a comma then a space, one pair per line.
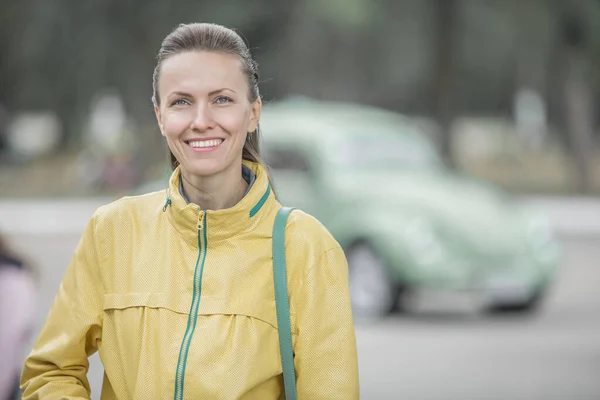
180, 102
222, 100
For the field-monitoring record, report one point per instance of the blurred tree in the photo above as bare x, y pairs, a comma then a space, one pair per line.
440, 58
578, 102
444, 23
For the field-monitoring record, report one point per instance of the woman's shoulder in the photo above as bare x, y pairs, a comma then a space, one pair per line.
137, 206
306, 231
309, 246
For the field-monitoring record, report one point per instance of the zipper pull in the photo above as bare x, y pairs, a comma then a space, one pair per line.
200, 219
168, 201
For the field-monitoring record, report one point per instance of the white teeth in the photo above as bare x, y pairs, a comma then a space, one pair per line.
206, 143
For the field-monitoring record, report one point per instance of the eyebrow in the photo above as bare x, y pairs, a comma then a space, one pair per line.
185, 94
182, 94
221, 90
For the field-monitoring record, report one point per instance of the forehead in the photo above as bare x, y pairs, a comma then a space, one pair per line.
201, 70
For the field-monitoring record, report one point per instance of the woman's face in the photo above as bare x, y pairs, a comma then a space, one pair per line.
204, 110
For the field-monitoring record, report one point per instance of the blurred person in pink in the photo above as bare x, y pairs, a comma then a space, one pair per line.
17, 300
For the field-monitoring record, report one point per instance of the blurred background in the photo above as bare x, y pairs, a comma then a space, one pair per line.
479, 276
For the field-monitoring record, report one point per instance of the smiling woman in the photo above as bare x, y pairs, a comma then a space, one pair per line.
176, 289
210, 111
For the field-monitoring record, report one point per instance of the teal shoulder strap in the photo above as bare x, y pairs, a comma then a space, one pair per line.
282, 304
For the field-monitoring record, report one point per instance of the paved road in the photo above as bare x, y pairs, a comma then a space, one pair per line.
555, 355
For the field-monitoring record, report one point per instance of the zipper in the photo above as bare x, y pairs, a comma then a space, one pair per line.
193, 317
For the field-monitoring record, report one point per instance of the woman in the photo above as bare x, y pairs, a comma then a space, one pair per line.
17, 306
175, 288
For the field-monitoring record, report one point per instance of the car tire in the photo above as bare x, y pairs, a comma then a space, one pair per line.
531, 305
373, 294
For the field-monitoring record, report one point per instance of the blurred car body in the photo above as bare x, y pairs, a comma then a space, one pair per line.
406, 222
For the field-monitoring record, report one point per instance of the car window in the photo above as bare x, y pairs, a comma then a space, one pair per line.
280, 157
386, 151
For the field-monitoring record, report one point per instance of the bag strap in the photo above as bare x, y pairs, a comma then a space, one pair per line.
282, 304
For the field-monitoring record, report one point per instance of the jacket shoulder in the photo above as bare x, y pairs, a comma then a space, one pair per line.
307, 232
311, 248
131, 207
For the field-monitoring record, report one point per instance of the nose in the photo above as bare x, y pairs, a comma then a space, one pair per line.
203, 119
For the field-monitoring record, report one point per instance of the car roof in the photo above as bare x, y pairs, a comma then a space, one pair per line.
307, 120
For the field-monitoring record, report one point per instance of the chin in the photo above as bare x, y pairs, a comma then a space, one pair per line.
204, 167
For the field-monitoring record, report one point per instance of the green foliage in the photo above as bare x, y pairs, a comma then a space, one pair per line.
58, 54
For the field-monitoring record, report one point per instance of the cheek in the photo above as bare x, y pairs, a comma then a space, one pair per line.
174, 124
235, 123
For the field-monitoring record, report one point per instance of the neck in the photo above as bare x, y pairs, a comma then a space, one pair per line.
216, 192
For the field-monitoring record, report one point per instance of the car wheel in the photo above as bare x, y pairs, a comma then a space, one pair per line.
531, 305
372, 292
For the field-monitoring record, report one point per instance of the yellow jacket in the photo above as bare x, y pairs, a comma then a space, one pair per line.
180, 304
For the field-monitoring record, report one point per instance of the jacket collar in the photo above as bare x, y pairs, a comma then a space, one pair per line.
225, 223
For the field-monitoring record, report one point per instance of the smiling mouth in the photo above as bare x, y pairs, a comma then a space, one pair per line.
204, 145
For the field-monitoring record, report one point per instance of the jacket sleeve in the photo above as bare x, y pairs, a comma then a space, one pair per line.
58, 363
325, 345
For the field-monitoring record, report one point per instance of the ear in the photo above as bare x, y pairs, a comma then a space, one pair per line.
160, 125
255, 115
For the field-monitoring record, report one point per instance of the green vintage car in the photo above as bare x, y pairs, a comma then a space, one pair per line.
407, 224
